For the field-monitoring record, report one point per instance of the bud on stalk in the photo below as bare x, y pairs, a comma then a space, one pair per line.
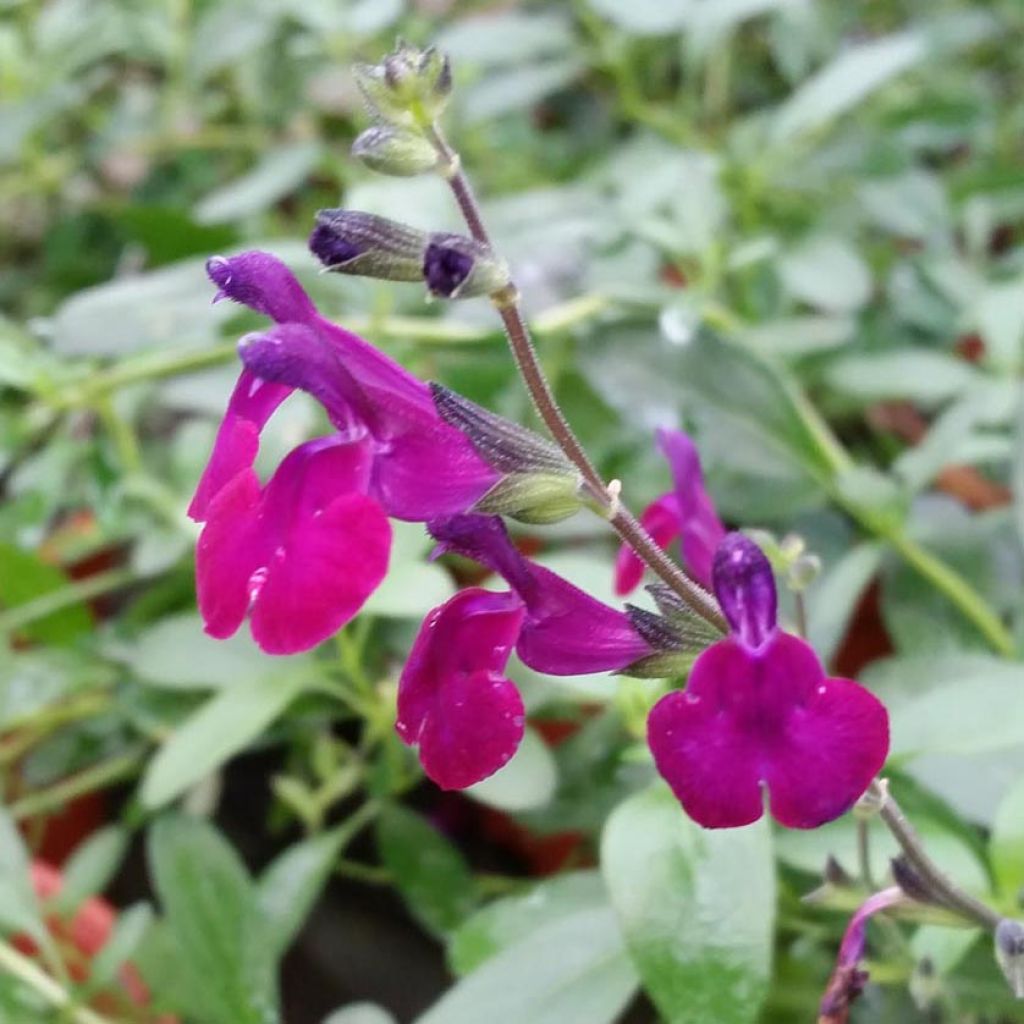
395, 151
409, 88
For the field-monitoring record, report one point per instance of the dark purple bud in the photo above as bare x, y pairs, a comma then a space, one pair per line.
330, 248
745, 587
456, 267
446, 269
1010, 953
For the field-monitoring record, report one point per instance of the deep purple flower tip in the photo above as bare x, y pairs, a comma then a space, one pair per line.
848, 979
329, 247
445, 269
262, 282
454, 700
745, 587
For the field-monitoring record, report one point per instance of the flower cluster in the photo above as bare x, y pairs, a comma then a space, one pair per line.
302, 552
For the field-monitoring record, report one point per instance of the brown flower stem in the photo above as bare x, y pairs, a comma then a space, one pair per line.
525, 354
942, 888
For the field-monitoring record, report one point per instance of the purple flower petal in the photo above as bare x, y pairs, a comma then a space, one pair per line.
453, 698
566, 632
304, 553
701, 529
767, 717
745, 587
263, 283
422, 467
252, 403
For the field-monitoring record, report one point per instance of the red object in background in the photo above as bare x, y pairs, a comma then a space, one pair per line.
83, 937
64, 830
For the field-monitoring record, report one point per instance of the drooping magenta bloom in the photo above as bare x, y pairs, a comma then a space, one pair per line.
303, 552
686, 512
759, 713
848, 978
454, 700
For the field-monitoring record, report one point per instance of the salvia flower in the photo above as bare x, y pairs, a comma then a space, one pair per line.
759, 713
686, 512
848, 978
454, 700
303, 552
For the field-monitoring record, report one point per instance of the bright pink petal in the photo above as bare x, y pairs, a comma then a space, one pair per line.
333, 561
703, 753
475, 730
701, 529
661, 520
835, 745
430, 471
566, 632
230, 550
453, 698
767, 715
262, 282
252, 403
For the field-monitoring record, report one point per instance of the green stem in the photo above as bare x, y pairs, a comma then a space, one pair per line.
23, 615
29, 973
97, 776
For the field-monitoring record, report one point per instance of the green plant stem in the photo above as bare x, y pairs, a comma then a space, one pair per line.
27, 971
97, 776
23, 615
525, 354
943, 889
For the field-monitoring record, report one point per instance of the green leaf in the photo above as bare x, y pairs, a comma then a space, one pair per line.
826, 272
697, 907
91, 867
919, 375
832, 598
758, 399
214, 926
1006, 844
218, 730
291, 883
527, 782
24, 577
156, 656
279, 173
508, 921
428, 870
572, 970
848, 79
19, 908
646, 17
506, 37
360, 1013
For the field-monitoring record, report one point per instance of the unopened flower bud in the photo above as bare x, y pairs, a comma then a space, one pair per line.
456, 267
410, 87
1010, 953
351, 242
395, 151
803, 571
539, 485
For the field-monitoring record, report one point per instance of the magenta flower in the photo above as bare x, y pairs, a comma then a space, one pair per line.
454, 700
759, 711
686, 512
848, 978
304, 552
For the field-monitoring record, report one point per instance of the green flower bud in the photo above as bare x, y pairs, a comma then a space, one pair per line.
409, 88
395, 151
539, 484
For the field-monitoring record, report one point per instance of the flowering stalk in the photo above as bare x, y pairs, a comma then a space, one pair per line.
506, 302
943, 890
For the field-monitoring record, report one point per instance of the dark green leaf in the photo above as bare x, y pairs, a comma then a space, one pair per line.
23, 578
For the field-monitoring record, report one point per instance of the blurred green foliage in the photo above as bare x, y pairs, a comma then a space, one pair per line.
794, 227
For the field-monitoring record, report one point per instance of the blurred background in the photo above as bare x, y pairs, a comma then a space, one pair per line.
768, 221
